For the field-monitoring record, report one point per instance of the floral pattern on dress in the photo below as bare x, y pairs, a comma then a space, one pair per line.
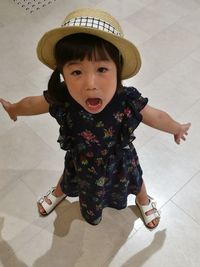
101, 164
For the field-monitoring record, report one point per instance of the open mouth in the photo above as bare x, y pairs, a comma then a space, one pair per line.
94, 104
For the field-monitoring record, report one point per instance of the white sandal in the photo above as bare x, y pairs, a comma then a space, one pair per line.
144, 209
54, 201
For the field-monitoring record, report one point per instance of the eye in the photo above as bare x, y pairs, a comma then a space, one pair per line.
76, 73
102, 69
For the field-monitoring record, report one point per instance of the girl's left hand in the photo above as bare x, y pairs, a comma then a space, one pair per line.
8, 108
183, 132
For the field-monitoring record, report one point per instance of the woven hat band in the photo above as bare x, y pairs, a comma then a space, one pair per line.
93, 23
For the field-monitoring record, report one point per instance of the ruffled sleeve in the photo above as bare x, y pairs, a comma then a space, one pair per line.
58, 111
135, 98
133, 103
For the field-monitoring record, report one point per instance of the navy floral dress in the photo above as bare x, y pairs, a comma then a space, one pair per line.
101, 163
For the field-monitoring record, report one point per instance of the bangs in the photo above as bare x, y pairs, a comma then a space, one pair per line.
80, 46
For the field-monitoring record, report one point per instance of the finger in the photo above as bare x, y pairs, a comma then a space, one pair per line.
183, 138
177, 140
4, 104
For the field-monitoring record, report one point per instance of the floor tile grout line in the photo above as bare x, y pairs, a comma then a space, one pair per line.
171, 199
186, 213
188, 181
182, 59
166, 28
41, 138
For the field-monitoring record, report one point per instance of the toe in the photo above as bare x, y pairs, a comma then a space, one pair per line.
151, 225
154, 223
41, 209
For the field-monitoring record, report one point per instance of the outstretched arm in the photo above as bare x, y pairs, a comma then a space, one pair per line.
32, 105
162, 121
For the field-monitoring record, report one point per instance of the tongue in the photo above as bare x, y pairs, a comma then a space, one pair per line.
93, 101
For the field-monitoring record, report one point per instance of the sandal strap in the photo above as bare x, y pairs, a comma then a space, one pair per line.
41, 199
54, 200
151, 206
154, 214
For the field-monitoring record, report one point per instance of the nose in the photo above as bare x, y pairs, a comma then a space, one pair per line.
91, 82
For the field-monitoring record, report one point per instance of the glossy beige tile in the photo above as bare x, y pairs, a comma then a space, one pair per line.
14, 234
22, 148
46, 128
165, 246
163, 52
39, 77
37, 250
8, 180
84, 245
191, 21
41, 180
189, 152
150, 21
196, 54
18, 217
166, 167
177, 8
188, 198
9, 12
5, 121
17, 92
118, 10
19, 202
134, 34
180, 83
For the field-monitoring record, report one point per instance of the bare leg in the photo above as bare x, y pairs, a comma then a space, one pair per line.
57, 193
143, 199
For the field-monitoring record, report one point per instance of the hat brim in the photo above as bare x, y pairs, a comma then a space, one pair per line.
129, 52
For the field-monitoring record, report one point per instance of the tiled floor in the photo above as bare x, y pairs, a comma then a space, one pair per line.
167, 32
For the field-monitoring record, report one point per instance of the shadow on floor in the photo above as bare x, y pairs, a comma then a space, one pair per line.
76, 243
6, 250
144, 255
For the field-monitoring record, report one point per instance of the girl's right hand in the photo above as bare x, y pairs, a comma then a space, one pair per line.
182, 133
7, 106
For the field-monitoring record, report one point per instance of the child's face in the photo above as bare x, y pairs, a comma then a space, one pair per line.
91, 83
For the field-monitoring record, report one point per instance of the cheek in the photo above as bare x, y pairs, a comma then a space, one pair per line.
112, 82
113, 78
73, 87
74, 91
69, 83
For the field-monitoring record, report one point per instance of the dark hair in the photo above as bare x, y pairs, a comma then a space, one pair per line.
77, 47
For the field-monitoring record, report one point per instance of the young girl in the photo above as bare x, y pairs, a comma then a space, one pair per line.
97, 115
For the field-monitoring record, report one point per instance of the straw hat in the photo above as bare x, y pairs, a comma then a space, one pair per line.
95, 22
